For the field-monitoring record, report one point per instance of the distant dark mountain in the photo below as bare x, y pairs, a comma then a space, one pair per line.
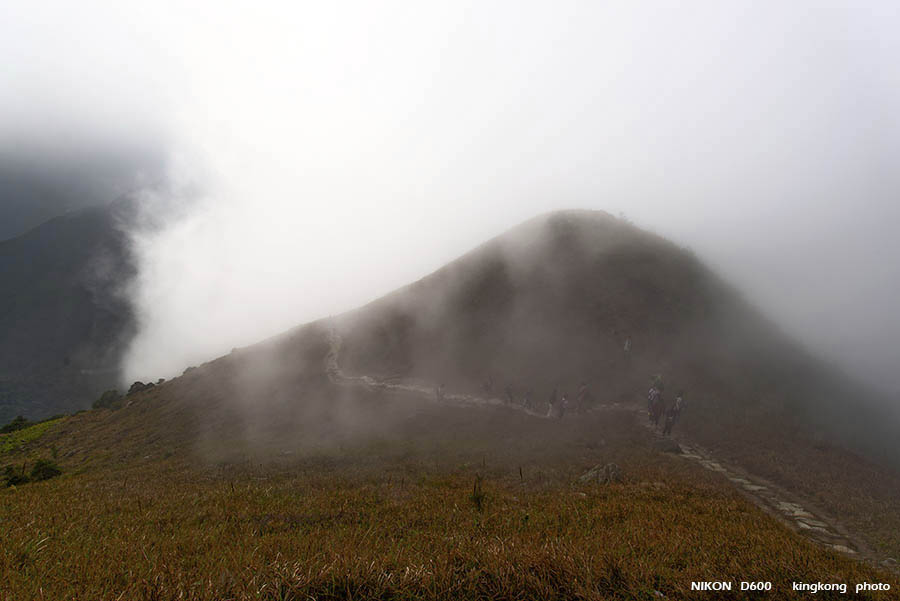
26, 203
36, 186
64, 320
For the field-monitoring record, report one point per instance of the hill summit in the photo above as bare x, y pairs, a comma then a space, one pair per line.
580, 296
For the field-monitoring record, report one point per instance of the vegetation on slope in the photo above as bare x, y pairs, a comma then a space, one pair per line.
255, 478
20, 437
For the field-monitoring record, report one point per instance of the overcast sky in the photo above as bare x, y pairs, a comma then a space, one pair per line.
344, 149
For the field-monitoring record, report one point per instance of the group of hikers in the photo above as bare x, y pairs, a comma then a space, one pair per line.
659, 409
557, 407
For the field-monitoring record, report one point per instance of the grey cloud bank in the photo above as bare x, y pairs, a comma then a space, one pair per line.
343, 151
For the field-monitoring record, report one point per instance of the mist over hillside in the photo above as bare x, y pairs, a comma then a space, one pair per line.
449, 300
558, 300
761, 138
549, 304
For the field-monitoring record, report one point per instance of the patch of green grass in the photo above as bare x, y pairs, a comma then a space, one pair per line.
15, 440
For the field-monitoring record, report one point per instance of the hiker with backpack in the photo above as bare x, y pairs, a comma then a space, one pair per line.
656, 412
679, 405
652, 399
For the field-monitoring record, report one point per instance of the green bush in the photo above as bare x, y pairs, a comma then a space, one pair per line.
44, 469
13, 476
139, 387
110, 399
17, 424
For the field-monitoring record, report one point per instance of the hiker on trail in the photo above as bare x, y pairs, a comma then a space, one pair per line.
679, 404
563, 405
439, 393
508, 391
652, 398
627, 347
656, 412
581, 398
669, 421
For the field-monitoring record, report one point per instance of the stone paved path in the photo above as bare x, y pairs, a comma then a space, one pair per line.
773, 499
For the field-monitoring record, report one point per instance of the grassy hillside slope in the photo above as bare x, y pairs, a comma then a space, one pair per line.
191, 492
255, 477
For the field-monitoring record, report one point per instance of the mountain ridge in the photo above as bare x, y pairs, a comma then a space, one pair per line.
65, 318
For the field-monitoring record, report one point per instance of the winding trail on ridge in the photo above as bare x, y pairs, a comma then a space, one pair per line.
784, 506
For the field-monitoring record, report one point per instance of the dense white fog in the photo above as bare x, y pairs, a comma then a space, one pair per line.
318, 155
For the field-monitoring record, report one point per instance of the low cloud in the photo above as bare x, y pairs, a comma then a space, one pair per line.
330, 155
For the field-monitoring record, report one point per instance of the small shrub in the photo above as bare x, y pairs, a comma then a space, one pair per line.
13, 476
44, 469
108, 400
17, 424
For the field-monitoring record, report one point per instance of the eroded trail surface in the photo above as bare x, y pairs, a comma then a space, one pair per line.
774, 500
429, 391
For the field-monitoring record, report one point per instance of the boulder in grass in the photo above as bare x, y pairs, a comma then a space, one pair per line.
111, 399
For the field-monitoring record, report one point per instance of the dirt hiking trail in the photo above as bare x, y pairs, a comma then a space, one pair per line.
799, 515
